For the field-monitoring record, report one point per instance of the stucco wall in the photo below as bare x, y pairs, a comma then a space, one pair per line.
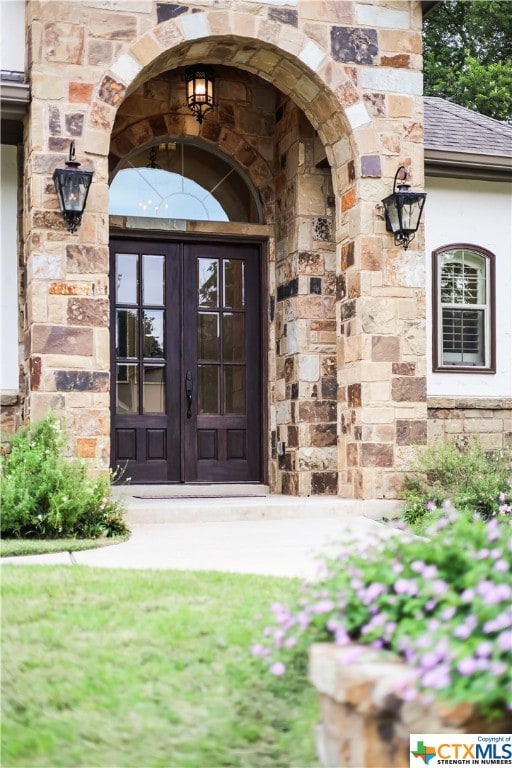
477, 213
9, 375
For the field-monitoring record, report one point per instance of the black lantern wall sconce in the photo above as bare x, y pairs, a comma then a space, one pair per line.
403, 209
200, 91
72, 187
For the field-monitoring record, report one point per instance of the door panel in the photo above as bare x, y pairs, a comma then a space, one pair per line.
186, 361
221, 350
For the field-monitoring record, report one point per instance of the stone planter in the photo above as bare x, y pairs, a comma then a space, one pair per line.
366, 723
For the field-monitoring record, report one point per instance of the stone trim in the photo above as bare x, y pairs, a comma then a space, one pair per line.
498, 403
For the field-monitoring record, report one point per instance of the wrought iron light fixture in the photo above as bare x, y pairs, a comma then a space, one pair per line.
200, 91
72, 188
403, 210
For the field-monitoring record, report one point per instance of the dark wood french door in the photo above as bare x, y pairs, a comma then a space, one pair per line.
186, 380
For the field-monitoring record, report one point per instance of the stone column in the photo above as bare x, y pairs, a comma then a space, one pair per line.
306, 319
67, 307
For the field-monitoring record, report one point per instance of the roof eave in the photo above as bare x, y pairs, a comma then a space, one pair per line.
14, 99
467, 165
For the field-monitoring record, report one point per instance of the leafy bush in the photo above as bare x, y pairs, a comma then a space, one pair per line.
45, 495
442, 604
465, 474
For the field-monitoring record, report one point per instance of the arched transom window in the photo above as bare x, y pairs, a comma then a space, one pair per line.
181, 180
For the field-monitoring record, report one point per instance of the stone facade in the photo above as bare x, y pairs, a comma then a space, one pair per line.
366, 720
488, 419
319, 103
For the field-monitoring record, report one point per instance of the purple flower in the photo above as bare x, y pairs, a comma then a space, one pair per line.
439, 587
448, 613
501, 566
257, 649
373, 592
467, 666
341, 637
323, 606
437, 678
290, 642
468, 595
462, 632
505, 640
429, 572
484, 649
406, 587
429, 660
430, 506
278, 669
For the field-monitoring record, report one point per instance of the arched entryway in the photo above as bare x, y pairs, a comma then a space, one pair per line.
186, 351
260, 161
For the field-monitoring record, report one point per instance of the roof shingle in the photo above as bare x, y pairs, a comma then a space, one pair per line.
452, 128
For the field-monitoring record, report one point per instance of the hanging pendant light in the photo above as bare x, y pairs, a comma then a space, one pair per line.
72, 188
200, 91
403, 210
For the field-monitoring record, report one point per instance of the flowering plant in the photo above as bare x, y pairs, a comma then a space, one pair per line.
444, 604
474, 479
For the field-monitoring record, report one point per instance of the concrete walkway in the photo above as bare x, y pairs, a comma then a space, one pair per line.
280, 537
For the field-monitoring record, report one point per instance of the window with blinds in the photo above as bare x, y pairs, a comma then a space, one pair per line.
462, 301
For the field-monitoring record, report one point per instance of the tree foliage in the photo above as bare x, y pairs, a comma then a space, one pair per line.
468, 55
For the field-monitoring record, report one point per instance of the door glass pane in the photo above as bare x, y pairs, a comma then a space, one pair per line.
127, 389
153, 279
126, 278
208, 336
233, 337
208, 282
234, 389
234, 295
153, 333
208, 389
154, 389
127, 332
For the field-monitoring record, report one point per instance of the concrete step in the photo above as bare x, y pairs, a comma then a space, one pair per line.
143, 510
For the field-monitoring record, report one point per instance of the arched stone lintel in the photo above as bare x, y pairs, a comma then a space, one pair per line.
232, 138
289, 59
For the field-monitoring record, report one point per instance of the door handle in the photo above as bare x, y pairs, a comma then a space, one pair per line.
189, 389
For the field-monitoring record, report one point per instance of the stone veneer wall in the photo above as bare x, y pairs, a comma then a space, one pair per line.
354, 70
366, 721
488, 419
306, 383
10, 417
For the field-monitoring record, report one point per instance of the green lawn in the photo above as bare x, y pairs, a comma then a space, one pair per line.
15, 547
106, 668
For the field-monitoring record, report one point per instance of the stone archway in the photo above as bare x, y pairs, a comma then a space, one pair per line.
380, 376
304, 385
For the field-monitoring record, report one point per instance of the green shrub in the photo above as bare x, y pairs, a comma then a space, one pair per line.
43, 494
465, 475
442, 604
